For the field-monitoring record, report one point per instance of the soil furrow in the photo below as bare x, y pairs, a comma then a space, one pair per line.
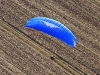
89, 7
9, 67
80, 13
84, 28
22, 55
82, 18
69, 68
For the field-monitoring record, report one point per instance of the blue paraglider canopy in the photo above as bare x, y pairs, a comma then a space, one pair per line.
53, 28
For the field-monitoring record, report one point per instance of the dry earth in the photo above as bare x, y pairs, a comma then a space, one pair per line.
17, 57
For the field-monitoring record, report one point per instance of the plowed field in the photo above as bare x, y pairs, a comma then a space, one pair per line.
28, 51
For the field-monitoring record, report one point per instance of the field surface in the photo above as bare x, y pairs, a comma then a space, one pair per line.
28, 51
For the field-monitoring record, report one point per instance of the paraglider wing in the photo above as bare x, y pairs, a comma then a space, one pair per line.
53, 28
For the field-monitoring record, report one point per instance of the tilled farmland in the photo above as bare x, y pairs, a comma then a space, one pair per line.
28, 51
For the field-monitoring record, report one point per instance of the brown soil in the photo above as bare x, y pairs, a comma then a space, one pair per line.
82, 17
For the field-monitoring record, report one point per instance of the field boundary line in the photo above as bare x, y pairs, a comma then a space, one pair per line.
71, 69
